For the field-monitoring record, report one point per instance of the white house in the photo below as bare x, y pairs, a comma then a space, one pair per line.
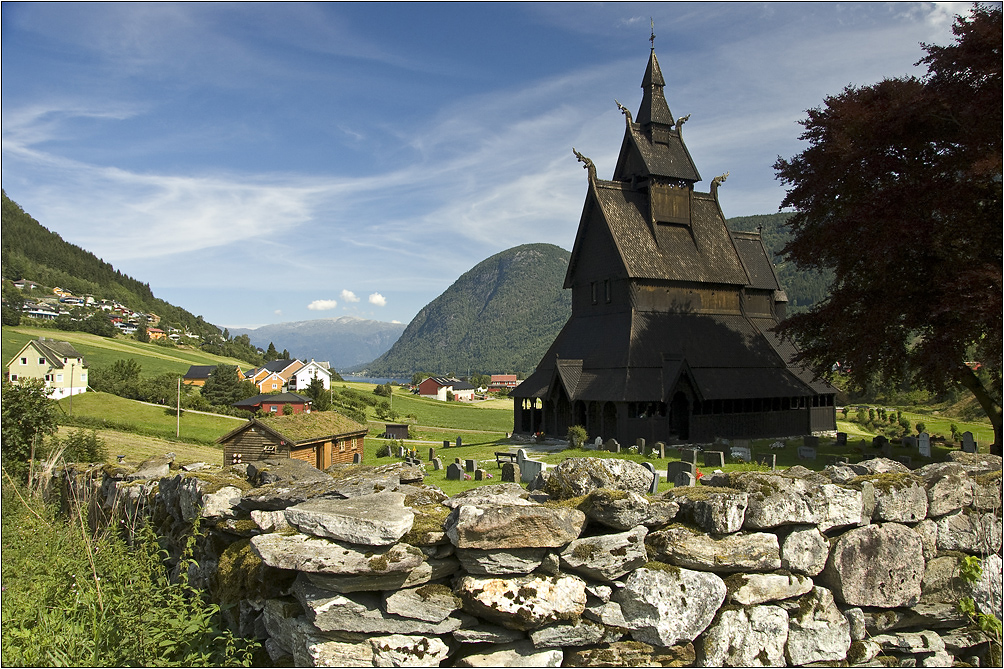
60, 365
312, 370
438, 386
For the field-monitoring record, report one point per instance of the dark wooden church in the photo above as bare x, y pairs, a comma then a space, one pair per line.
670, 336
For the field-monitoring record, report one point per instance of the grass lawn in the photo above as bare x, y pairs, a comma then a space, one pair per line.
103, 352
102, 410
136, 447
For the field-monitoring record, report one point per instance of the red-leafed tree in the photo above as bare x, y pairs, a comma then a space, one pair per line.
899, 193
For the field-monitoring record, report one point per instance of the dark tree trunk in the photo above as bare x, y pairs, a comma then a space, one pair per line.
993, 410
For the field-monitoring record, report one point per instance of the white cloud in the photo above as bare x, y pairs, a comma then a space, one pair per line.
277, 312
349, 296
322, 305
378, 299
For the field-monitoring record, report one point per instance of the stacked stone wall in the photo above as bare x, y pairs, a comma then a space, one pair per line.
368, 566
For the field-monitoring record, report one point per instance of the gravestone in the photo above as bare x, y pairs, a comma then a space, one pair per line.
810, 440
520, 456
480, 475
471, 465
741, 452
769, 459
460, 442
454, 473
446, 443
905, 459
640, 443
659, 450
968, 443
806, 453
510, 473
615, 447
837, 460
678, 466
654, 488
841, 438
714, 459
598, 443
684, 479
437, 464
688, 455
879, 441
910, 442
924, 445
432, 454
357, 458
400, 452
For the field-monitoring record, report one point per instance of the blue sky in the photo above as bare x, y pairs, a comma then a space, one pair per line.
260, 163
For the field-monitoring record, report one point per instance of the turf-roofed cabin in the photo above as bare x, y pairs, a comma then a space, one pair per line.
322, 438
671, 335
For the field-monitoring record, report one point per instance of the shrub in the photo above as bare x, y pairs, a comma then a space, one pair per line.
576, 436
920, 427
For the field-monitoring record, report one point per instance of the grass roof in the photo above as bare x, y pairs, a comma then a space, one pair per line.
302, 427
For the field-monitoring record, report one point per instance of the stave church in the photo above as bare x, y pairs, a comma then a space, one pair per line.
671, 333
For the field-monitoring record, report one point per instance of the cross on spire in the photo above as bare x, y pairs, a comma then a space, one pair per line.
652, 38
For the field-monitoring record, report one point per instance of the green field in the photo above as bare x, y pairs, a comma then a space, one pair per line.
104, 411
103, 352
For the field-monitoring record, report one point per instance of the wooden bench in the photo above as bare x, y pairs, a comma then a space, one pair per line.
508, 457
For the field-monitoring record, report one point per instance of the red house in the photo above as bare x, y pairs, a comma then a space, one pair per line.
275, 403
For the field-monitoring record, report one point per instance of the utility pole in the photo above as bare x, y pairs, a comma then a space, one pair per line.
71, 388
177, 429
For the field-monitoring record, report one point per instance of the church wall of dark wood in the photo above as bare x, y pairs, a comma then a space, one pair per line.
683, 299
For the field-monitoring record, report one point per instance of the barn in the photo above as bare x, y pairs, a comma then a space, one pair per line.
671, 335
322, 438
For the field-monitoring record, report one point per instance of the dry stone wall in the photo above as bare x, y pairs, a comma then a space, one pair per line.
368, 566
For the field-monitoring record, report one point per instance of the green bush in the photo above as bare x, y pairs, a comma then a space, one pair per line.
576, 436
75, 599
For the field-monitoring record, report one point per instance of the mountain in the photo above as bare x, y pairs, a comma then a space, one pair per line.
30, 251
499, 317
344, 342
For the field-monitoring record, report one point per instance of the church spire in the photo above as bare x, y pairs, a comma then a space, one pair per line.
653, 103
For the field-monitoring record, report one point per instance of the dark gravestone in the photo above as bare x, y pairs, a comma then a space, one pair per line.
879, 441
676, 467
688, 455
714, 459
968, 442
684, 479
659, 450
471, 465
446, 443
640, 443
905, 459
510, 473
841, 438
454, 473
910, 442
432, 454
458, 461
460, 442
480, 475
612, 446
810, 440
654, 488
769, 459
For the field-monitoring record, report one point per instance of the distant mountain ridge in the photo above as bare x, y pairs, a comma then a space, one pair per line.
498, 317
344, 342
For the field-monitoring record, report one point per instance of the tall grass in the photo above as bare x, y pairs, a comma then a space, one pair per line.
75, 596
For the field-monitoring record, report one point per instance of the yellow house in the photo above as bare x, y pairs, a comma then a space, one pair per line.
61, 366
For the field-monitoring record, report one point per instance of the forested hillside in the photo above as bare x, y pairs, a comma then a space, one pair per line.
803, 288
498, 317
30, 251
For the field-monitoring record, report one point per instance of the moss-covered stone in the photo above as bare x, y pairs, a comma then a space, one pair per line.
238, 573
887, 481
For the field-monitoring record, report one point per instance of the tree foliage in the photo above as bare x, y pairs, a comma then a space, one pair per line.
28, 416
899, 194
226, 386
